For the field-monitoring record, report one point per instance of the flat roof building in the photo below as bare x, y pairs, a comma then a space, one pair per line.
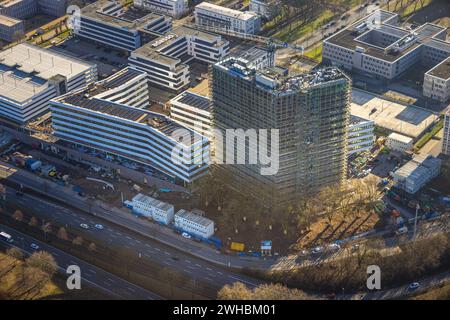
361, 135
194, 224
446, 139
121, 27
166, 58
309, 111
173, 8
417, 172
377, 46
399, 142
436, 84
108, 116
194, 111
31, 76
226, 19
24, 9
159, 211
266, 8
11, 29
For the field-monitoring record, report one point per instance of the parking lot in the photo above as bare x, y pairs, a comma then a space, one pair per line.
108, 60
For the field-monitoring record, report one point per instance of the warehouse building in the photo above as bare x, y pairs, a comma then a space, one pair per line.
166, 59
378, 47
225, 19
400, 143
194, 224
446, 138
11, 29
121, 27
31, 76
412, 176
105, 117
361, 135
173, 8
194, 111
310, 112
149, 207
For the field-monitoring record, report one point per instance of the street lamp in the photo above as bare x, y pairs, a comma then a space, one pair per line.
415, 222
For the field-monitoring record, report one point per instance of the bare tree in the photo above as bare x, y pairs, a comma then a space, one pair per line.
33, 222
92, 247
62, 234
78, 241
18, 215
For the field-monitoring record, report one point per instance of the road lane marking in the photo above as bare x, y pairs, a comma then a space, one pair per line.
242, 280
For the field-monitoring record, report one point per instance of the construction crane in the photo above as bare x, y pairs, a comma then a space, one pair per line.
271, 43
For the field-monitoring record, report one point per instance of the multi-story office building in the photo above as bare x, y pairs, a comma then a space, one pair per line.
31, 76
166, 59
446, 139
19, 9
11, 29
266, 8
194, 111
377, 47
121, 27
310, 113
225, 19
173, 8
416, 173
436, 84
107, 116
23, 9
361, 135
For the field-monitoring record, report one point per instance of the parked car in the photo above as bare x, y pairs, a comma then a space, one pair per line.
186, 235
401, 230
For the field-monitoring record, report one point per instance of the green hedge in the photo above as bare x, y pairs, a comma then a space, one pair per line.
430, 134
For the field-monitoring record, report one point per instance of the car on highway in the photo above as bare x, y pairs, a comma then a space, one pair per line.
413, 286
99, 227
334, 247
317, 250
186, 235
84, 226
34, 246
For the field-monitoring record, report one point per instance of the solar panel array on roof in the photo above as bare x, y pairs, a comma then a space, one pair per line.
122, 78
105, 107
195, 101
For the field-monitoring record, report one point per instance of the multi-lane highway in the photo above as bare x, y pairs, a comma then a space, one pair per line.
154, 251
90, 275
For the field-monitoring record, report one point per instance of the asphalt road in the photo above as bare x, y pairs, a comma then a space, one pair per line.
154, 251
90, 274
127, 220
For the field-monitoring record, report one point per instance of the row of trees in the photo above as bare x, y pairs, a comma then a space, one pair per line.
239, 291
240, 211
47, 228
25, 278
414, 260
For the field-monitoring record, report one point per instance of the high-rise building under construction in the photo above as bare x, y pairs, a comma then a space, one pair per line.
311, 112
